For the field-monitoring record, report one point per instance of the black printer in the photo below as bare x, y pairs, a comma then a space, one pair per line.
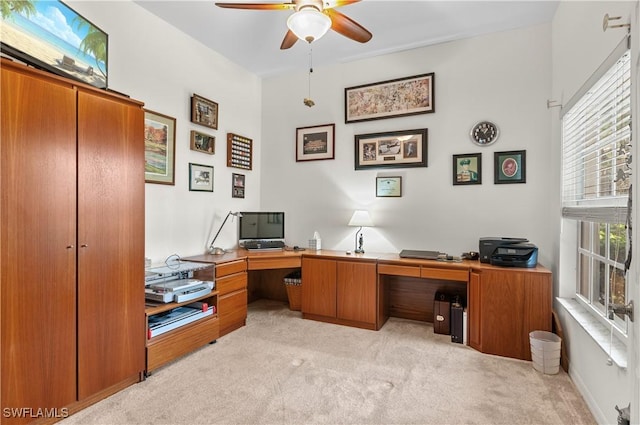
508, 252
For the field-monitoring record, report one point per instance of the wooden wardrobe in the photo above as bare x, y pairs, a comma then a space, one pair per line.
71, 244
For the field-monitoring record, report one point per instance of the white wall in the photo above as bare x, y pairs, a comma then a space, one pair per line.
579, 46
153, 62
503, 77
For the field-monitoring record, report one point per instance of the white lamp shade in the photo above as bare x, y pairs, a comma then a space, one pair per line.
361, 218
309, 24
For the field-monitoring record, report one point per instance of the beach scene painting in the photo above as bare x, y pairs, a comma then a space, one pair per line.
51, 35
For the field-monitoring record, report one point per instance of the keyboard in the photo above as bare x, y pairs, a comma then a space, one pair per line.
264, 245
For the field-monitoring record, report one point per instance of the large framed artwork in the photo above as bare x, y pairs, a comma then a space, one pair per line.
395, 149
159, 148
52, 36
390, 99
314, 143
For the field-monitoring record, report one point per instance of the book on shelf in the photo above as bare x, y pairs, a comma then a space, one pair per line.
179, 316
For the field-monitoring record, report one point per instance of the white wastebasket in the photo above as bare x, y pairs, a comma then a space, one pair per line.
545, 351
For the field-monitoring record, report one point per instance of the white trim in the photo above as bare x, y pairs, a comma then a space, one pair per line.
601, 334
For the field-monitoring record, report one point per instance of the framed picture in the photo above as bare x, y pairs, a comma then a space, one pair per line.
239, 151
52, 36
237, 185
510, 167
389, 187
390, 99
200, 178
314, 143
204, 111
396, 149
203, 142
467, 169
159, 148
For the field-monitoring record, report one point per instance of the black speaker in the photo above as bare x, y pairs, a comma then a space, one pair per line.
441, 312
457, 318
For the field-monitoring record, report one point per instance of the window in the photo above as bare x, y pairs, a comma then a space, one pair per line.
596, 178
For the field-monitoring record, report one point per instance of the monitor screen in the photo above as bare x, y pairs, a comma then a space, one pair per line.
261, 225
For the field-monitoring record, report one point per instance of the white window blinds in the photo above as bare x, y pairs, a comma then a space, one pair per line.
596, 141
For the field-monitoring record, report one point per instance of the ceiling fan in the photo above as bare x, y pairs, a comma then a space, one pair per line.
311, 20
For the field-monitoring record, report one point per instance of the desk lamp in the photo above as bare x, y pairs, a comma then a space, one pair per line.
215, 250
362, 219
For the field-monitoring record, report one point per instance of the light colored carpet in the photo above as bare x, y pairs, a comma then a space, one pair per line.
281, 369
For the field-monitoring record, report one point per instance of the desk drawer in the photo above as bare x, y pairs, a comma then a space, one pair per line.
228, 284
232, 311
275, 263
411, 271
178, 342
230, 268
445, 274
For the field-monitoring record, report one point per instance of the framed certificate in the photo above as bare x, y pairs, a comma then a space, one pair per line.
389, 187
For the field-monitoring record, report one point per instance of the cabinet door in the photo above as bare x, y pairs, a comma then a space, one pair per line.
356, 291
502, 304
37, 242
475, 312
319, 287
111, 321
538, 307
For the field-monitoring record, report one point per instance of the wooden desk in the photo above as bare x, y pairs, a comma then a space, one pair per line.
409, 285
364, 290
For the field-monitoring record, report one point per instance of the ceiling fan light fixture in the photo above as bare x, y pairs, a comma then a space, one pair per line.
309, 24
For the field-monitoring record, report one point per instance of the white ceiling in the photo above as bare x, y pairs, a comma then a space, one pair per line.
251, 38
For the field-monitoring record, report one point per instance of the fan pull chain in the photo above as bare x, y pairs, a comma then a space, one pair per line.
308, 101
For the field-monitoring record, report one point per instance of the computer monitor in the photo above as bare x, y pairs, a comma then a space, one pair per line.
261, 226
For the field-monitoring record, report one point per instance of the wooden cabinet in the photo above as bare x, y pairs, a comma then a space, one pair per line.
72, 241
507, 304
319, 287
343, 292
356, 291
474, 312
182, 340
231, 283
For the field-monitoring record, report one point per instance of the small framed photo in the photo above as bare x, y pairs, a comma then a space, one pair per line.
159, 148
389, 187
237, 185
200, 178
204, 112
467, 169
315, 143
204, 143
510, 167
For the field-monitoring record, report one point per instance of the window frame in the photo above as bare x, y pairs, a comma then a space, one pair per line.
581, 207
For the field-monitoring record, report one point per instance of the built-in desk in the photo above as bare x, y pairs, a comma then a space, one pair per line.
364, 290
408, 286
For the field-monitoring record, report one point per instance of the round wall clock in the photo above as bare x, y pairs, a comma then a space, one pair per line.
484, 133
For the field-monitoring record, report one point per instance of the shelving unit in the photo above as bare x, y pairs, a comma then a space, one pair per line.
182, 340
